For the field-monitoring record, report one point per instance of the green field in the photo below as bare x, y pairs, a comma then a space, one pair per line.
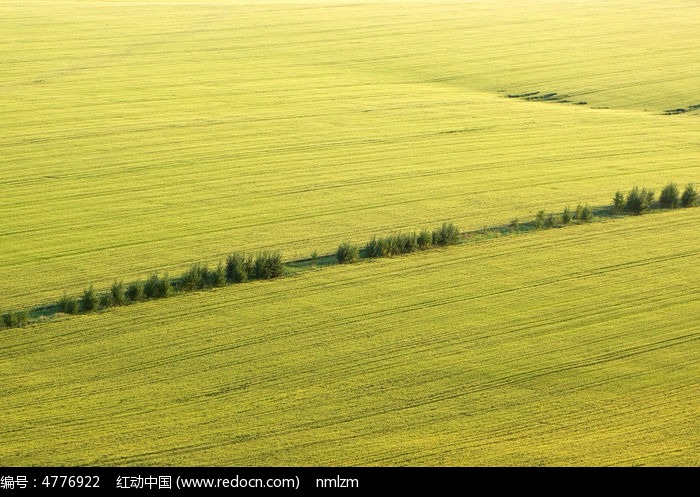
492, 353
141, 136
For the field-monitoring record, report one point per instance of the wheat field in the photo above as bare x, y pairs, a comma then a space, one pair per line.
142, 136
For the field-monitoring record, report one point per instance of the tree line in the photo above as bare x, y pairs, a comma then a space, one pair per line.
240, 267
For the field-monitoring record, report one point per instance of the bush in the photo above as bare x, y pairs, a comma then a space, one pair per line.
106, 300
514, 225
89, 302
551, 220
566, 216
15, 319
347, 253
268, 265
448, 234
539, 219
424, 240
584, 213
68, 304
194, 278
239, 268
118, 294
399, 243
217, 276
619, 202
670, 196
407, 242
157, 287
135, 292
374, 248
639, 201
690, 196
162, 286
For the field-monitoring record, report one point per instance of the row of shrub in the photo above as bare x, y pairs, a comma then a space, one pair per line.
641, 200
15, 319
239, 268
582, 214
400, 243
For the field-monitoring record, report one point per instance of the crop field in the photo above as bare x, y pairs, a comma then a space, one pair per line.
148, 137
143, 136
491, 353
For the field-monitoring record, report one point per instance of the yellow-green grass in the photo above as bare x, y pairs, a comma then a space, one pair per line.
141, 136
574, 346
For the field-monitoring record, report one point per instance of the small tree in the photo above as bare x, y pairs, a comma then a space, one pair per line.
15, 319
135, 292
690, 196
150, 288
425, 239
374, 248
639, 201
164, 287
269, 265
68, 304
539, 219
619, 202
670, 196
347, 253
447, 234
194, 278
217, 276
106, 300
239, 268
514, 225
584, 213
89, 302
118, 293
566, 216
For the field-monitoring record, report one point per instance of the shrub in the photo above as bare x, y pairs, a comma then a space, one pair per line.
194, 278
619, 202
15, 319
690, 196
157, 287
566, 216
135, 292
639, 201
347, 253
551, 220
670, 196
424, 240
539, 219
68, 304
584, 213
239, 268
118, 293
514, 224
268, 265
106, 300
89, 302
447, 234
407, 242
217, 276
163, 286
374, 248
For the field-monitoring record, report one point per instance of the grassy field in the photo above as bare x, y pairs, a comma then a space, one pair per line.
140, 136
574, 346
152, 136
